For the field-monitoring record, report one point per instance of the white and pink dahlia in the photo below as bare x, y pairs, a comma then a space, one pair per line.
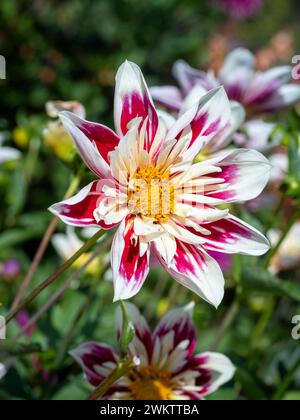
258, 92
8, 154
167, 368
163, 202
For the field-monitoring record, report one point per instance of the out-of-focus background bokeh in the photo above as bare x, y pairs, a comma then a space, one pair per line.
70, 50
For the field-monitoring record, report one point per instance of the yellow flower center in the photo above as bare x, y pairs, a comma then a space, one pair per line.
151, 193
151, 383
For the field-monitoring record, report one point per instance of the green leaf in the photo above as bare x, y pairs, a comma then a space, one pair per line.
11, 349
292, 396
249, 385
65, 311
294, 159
17, 236
261, 279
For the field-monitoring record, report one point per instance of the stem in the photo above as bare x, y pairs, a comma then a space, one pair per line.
285, 233
32, 156
228, 321
55, 275
43, 246
263, 321
124, 366
62, 289
84, 307
286, 382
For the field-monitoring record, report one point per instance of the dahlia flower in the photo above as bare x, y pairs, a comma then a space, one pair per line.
288, 255
162, 201
240, 9
258, 92
3, 370
55, 135
167, 369
66, 244
8, 153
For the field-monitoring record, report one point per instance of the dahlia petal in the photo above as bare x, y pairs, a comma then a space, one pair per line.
214, 369
66, 244
194, 269
132, 99
199, 124
285, 96
258, 135
142, 344
194, 96
97, 361
130, 268
93, 142
237, 73
188, 77
266, 84
168, 96
178, 230
167, 118
246, 173
222, 139
8, 153
231, 235
180, 323
159, 141
79, 209
165, 245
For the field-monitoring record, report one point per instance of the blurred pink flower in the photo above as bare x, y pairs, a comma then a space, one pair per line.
22, 319
259, 92
10, 269
240, 9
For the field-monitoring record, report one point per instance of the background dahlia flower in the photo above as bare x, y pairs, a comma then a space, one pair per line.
8, 153
66, 244
167, 369
288, 255
257, 91
239, 9
162, 201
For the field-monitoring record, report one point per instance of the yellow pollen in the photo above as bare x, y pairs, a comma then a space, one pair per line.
152, 194
150, 383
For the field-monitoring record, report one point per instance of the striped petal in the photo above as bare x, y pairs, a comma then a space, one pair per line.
130, 261
132, 99
245, 172
285, 96
200, 123
223, 138
176, 329
214, 370
93, 142
231, 235
79, 210
188, 77
266, 84
237, 73
194, 269
97, 361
